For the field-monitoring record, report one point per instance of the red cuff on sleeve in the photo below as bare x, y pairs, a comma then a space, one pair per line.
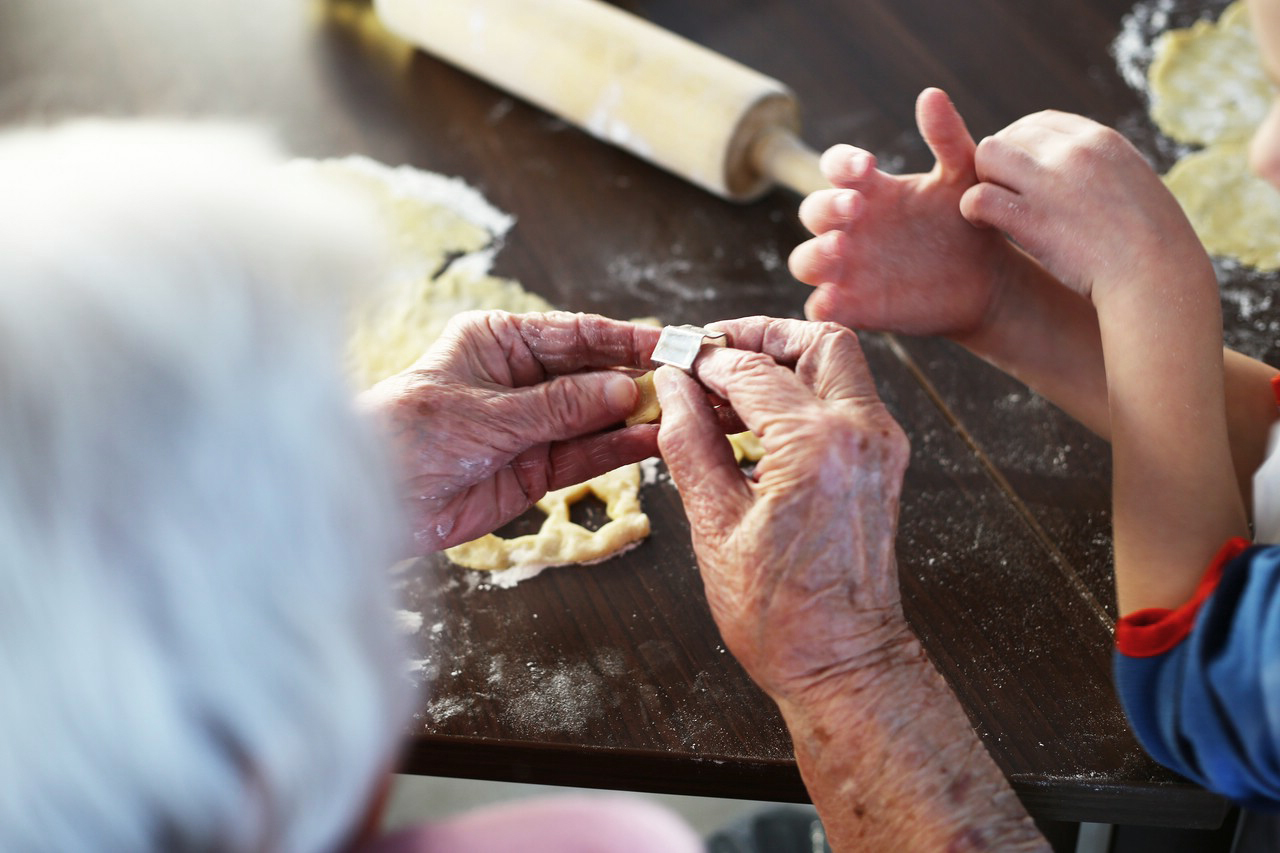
1156, 630
1275, 387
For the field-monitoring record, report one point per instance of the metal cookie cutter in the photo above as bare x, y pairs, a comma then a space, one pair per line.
679, 345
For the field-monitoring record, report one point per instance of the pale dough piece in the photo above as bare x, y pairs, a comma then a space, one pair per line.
745, 445
445, 237
560, 541
1235, 212
647, 408
1207, 82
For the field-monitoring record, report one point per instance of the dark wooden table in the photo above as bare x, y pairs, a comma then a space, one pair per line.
614, 676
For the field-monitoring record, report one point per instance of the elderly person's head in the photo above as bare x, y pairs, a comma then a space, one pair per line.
195, 643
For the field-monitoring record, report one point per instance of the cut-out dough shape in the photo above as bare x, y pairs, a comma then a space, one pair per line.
560, 541
1208, 88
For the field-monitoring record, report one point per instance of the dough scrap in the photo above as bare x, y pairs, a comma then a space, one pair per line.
1208, 88
647, 409
745, 444
446, 235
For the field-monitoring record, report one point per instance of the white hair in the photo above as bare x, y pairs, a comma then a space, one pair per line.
196, 644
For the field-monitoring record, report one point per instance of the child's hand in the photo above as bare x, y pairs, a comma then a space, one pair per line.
894, 253
1082, 200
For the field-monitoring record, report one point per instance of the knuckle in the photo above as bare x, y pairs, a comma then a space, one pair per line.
837, 332
563, 402
754, 363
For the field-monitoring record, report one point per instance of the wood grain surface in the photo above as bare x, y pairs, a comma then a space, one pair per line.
614, 675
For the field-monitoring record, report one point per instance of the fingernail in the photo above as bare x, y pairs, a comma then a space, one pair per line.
620, 392
662, 379
830, 255
857, 163
843, 204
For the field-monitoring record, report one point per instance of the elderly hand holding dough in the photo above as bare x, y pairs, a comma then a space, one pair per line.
797, 558
798, 564
506, 407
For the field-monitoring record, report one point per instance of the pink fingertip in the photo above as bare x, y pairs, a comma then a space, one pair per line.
664, 380
860, 164
818, 306
845, 204
833, 159
619, 393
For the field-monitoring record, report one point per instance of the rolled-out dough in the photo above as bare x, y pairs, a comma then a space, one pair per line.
1208, 89
1235, 213
1207, 82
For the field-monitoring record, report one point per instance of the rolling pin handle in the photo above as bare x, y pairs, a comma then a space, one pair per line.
781, 156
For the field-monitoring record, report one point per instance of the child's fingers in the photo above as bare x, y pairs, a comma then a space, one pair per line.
1007, 159
849, 167
994, 206
945, 133
820, 260
1053, 120
830, 210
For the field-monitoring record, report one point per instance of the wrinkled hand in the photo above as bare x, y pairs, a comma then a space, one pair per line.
893, 252
496, 414
798, 563
1079, 198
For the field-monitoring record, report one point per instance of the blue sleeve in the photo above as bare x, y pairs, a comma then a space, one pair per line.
1207, 703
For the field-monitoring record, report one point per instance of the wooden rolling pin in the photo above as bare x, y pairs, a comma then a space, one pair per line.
677, 104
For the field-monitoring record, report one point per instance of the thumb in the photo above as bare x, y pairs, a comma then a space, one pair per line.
945, 133
569, 406
698, 456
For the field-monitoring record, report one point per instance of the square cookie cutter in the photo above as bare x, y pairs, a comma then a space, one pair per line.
678, 346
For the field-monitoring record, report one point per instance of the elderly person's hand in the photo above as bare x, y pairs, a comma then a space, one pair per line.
504, 408
798, 564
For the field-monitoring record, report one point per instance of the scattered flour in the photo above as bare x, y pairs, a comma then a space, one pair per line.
407, 621
652, 471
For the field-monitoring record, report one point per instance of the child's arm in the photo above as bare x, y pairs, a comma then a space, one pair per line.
1078, 197
895, 254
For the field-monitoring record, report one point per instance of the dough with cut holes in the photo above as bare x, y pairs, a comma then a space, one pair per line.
560, 541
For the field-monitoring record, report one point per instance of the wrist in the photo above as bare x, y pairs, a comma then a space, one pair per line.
890, 657
1158, 280
892, 762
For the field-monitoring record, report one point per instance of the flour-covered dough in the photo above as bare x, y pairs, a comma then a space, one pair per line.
1207, 82
1208, 89
1235, 213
